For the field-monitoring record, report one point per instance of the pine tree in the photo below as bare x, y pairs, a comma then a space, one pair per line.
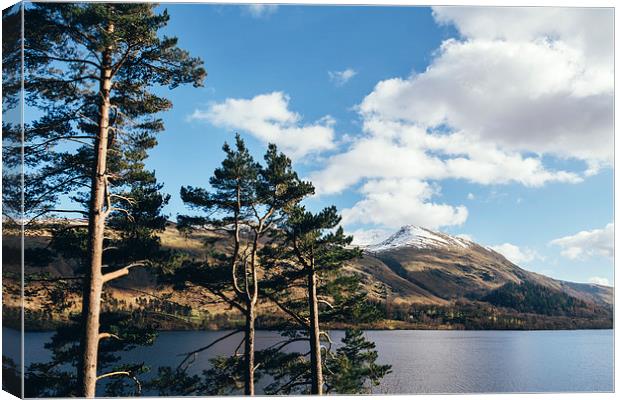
306, 251
89, 68
246, 202
355, 363
310, 253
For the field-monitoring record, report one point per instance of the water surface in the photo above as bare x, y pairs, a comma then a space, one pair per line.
425, 361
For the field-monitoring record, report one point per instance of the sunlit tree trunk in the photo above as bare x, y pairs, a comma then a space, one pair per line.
315, 342
249, 348
91, 302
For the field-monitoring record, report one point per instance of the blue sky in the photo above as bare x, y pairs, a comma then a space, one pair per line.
493, 123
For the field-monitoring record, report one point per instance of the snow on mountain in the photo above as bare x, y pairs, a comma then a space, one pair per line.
418, 237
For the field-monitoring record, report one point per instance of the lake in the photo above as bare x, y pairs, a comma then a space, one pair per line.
426, 361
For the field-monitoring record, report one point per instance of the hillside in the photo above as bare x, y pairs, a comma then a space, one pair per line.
441, 268
418, 277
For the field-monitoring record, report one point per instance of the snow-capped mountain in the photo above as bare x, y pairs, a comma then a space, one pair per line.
418, 237
426, 266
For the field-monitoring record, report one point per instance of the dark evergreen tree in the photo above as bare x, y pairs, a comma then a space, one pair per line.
245, 204
309, 254
89, 70
354, 365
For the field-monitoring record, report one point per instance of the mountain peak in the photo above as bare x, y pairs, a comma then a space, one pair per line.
418, 237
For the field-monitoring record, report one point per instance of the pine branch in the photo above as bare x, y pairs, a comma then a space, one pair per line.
228, 300
55, 210
302, 321
41, 197
193, 353
280, 345
291, 383
68, 60
239, 346
73, 137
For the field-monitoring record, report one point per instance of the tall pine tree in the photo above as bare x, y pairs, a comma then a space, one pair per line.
90, 68
246, 202
310, 253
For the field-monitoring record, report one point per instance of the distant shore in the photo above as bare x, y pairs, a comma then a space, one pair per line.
384, 325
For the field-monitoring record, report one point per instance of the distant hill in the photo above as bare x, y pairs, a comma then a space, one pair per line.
440, 268
420, 278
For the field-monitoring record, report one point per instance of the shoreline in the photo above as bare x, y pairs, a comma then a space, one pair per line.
342, 329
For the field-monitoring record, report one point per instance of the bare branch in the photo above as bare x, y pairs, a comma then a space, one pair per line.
122, 210
246, 280
327, 303
129, 200
108, 201
123, 373
106, 335
122, 272
234, 280
329, 340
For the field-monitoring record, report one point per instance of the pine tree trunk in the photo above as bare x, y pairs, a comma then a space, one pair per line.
249, 348
91, 301
315, 342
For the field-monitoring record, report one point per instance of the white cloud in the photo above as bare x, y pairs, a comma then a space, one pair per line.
515, 254
553, 69
261, 10
587, 244
521, 84
470, 196
341, 77
268, 118
396, 202
364, 237
397, 150
597, 280
588, 29
536, 97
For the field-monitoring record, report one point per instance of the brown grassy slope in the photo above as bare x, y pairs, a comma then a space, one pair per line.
434, 276
452, 273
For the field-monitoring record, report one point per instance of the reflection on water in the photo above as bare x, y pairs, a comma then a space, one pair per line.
429, 361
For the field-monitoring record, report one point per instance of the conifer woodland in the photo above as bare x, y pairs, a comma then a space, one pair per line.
91, 71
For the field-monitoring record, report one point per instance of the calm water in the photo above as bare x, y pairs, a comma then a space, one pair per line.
428, 361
